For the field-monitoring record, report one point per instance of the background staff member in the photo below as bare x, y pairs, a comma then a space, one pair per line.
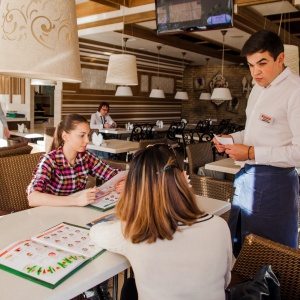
266, 198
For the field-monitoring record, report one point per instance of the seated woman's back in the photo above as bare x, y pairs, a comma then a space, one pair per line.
176, 251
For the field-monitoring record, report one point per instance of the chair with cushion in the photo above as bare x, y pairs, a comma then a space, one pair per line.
285, 261
15, 175
198, 155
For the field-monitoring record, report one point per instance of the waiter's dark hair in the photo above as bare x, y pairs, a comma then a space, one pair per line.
67, 124
102, 104
262, 41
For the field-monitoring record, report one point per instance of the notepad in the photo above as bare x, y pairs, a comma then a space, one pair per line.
224, 140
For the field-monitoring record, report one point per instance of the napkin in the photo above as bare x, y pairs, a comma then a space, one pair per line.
97, 139
21, 128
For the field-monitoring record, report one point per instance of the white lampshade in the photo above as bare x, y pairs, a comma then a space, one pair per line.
122, 70
182, 95
124, 91
42, 82
291, 58
221, 94
157, 93
39, 39
205, 96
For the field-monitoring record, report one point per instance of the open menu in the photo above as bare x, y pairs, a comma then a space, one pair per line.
107, 197
52, 256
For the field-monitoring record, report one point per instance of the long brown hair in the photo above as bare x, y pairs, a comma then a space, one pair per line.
67, 124
156, 197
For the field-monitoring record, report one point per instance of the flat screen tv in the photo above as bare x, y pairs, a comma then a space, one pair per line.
174, 16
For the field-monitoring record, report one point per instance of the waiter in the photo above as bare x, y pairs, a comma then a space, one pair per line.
266, 197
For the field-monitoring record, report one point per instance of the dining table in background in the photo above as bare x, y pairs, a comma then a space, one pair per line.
226, 165
24, 224
31, 134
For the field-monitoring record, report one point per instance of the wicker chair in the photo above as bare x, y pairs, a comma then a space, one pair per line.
15, 175
15, 150
257, 252
198, 155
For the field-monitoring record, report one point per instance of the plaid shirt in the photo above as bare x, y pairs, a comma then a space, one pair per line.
54, 175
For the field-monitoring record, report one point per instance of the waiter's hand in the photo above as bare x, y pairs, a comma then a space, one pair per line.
238, 152
220, 147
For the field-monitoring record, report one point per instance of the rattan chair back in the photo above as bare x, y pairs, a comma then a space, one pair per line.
257, 252
198, 155
15, 175
14, 150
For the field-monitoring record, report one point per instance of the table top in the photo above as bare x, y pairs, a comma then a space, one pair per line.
115, 146
226, 165
30, 134
27, 223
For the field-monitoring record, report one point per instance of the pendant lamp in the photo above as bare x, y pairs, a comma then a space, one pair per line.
222, 93
39, 39
122, 69
124, 91
205, 95
157, 93
181, 94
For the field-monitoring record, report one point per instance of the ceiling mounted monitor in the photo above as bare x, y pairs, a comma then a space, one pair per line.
175, 16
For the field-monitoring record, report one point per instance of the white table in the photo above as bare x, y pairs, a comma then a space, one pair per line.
115, 146
119, 131
26, 223
226, 165
30, 134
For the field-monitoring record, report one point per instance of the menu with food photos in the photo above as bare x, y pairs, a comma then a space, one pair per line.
106, 197
52, 256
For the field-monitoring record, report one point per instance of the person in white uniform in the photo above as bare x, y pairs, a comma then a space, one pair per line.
4, 123
266, 200
101, 119
176, 250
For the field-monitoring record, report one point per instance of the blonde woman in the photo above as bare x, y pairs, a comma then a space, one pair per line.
176, 250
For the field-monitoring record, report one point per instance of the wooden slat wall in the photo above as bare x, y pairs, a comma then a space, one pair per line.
136, 109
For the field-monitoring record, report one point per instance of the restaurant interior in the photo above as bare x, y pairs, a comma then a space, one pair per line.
161, 84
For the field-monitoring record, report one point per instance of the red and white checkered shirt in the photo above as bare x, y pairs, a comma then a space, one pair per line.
54, 175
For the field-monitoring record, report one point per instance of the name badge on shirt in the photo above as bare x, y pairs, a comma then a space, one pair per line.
266, 118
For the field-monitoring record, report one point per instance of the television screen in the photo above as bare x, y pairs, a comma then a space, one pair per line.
173, 16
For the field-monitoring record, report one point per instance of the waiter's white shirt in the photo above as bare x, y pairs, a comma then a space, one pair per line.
273, 122
97, 120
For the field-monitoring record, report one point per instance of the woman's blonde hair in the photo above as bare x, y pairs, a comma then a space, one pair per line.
67, 124
156, 196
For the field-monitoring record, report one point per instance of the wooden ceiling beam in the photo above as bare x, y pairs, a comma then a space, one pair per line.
107, 3
92, 8
247, 20
241, 3
173, 41
129, 19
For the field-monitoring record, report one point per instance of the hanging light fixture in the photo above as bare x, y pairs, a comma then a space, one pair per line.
205, 95
181, 94
122, 69
42, 82
124, 90
39, 39
222, 93
157, 93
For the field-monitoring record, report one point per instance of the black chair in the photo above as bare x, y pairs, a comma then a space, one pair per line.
142, 132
